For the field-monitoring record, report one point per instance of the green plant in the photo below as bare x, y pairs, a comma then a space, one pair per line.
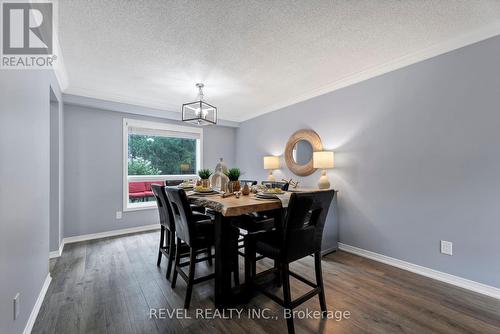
233, 174
204, 174
141, 166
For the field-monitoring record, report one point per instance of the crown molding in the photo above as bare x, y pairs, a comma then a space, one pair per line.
61, 76
130, 108
395, 64
118, 98
60, 68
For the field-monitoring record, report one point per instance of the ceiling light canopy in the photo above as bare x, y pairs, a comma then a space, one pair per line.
199, 112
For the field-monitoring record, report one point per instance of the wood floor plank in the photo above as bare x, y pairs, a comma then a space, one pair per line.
116, 315
110, 285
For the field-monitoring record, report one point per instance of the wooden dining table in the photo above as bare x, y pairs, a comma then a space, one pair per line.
224, 209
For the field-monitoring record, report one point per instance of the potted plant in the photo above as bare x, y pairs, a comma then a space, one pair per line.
233, 175
204, 174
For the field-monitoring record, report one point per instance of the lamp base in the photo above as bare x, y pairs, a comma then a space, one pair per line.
271, 177
323, 182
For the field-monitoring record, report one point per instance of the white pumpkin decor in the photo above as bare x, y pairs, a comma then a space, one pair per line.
218, 179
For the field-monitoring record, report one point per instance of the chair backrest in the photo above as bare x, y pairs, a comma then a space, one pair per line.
165, 212
182, 214
304, 223
251, 182
149, 184
272, 184
169, 183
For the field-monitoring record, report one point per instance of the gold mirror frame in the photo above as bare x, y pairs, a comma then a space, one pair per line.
313, 138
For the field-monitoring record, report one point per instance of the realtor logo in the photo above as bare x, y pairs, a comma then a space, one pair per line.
27, 35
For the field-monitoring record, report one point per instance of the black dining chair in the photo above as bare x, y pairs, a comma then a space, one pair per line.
260, 221
256, 222
249, 182
171, 183
165, 219
300, 236
251, 223
167, 228
273, 184
198, 233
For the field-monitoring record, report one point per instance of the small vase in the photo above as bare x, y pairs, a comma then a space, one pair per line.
233, 186
205, 183
237, 185
246, 189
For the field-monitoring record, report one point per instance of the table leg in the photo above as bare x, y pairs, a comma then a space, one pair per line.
222, 260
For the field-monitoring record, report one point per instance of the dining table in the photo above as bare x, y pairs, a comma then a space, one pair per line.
224, 209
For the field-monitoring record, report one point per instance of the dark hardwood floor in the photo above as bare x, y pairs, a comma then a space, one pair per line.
109, 286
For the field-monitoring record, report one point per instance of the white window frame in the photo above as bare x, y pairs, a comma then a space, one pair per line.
127, 122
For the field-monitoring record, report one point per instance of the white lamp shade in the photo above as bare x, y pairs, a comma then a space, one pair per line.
271, 162
323, 159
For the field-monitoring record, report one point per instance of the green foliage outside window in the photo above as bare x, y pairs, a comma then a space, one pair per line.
139, 166
155, 155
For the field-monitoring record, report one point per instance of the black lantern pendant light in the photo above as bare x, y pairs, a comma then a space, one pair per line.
199, 112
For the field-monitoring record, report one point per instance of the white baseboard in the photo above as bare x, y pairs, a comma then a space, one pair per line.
38, 304
107, 234
58, 252
328, 251
424, 271
100, 235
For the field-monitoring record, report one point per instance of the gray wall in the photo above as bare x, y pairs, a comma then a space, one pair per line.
416, 159
56, 172
93, 168
24, 190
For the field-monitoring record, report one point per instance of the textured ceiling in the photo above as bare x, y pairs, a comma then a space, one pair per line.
253, 56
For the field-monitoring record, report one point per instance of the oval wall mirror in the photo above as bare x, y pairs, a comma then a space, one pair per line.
299, 151
302, 152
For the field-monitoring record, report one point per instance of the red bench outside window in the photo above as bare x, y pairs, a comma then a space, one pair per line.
140, 191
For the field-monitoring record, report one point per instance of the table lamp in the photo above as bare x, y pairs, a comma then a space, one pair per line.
323, 159
271, 163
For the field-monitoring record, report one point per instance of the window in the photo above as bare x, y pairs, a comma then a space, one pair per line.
155, 153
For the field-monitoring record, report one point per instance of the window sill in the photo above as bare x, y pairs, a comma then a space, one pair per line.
140, 207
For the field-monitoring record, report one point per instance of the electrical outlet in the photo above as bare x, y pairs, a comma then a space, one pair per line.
118, 215
16, 306
446, 247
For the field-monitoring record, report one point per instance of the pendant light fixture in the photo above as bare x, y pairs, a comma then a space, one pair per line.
199, 112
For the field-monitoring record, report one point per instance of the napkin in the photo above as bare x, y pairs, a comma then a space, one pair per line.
284, 198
